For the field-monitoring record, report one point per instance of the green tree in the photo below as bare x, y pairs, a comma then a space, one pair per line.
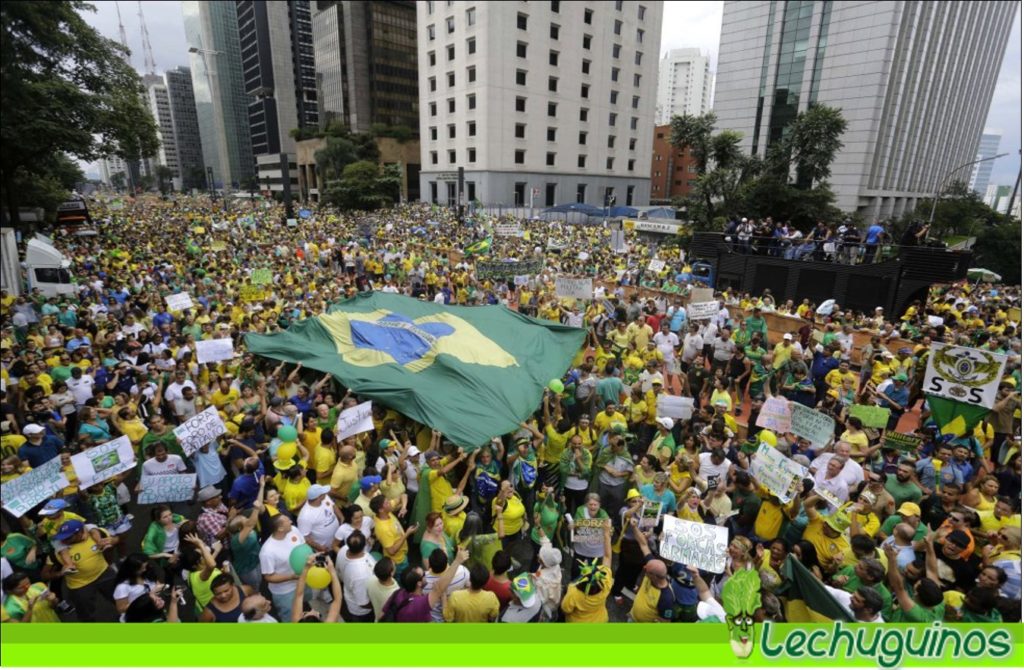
999, 249
164, 178
118, 181
364, 185
67, 90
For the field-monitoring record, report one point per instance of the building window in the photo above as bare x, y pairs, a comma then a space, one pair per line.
471, 191
451, 105
451, 157
615, 74
632, 144
553, 58
451, 131
519, 194
613, 97
451, 79
581, 193
433, 109
583, 137
433, 192
618, 5
432, 83
610, 163
520, 156
471, 129
450, 21
549, 194
551, 158
618, 27
553, 84
433, 133
554, 6
433, 158
430, 6
554, 31
521, 21
432, 58
586, 41
521, 77
629, 194
640, 11
679, 182
585, 90
552, 109
636, 81
471, 16
586, 67
609, 196
616, 50
639, 57
471, 46
521, 130
581, 161
521, 49
639, 35
471, 101
450, 51
611, 141
636, 102
584, 113
430, 32
471, 156
471, 74
551, 134
630, 164
520, 104
612, 118
633, 122
692, 169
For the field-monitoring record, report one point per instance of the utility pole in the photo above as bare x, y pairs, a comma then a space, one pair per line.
1016, 188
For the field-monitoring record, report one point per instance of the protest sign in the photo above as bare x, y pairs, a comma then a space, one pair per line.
292, 223
200, 430
902, 441
505, 269
251, 293
811, 425
25, 491
1013, 315
104, 462
833, 501
935, 321
675, 407
574, 287
702, 295
650, 514
618, 242
355, 420
700, 545
219, 246
212, 351
508, 230
964, 374
656, 265
166, 488
589, 532
818, 336
872, 416
780, 475
305, 213
775, 415
262, 277
177, 302
521, 280
696, 311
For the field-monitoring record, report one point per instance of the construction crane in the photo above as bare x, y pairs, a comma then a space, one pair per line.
147, 48
120, 26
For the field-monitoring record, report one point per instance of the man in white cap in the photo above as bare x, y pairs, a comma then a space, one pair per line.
319, 518
782, 352
40, 448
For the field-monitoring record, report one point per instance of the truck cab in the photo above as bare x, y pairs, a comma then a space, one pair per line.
47, 268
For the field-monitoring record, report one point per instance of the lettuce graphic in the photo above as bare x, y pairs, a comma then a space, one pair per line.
741, 597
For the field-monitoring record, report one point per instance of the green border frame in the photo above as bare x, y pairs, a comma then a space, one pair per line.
460, 645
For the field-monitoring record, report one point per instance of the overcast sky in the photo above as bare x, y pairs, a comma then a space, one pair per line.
685, 24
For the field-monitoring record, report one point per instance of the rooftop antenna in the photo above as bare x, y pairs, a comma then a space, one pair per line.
147, 48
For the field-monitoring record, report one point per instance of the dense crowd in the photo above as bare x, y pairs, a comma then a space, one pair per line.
287, 523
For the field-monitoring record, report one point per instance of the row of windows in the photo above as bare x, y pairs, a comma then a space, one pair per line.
520, 106
588, 14
519, 157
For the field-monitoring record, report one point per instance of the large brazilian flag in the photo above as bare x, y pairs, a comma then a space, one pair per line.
807, 599
472, 373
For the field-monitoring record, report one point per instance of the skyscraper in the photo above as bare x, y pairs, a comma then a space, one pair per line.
914, 81
160, 108
545, 102
366, 63
684, 84
188, 143
988, 146
211, 29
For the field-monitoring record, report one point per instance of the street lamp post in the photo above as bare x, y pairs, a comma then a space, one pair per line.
938, 190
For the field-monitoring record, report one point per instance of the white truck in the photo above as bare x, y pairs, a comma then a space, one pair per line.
45, 267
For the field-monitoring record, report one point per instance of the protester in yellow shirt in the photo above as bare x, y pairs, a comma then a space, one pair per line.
585, 599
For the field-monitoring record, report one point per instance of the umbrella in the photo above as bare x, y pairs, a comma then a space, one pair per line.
981, 274
825, 308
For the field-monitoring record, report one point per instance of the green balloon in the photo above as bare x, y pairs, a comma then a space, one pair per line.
287, 433
297, 559
556, 386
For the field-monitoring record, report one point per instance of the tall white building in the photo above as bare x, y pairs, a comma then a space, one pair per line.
684, 84
914, 80
988, 147
160, 108
549, 100
110, 166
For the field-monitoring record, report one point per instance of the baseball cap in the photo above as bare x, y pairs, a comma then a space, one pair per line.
657, 378
909, 509
317, 490
787, 336
633, 493
959, 538
208, 493
900, 378
431, 455
384, 443
33, 429
666, 422
68, 529
54, 506
414, 451
368, 482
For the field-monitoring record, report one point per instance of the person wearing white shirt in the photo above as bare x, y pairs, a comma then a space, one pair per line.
722, 319
318, 519
173, 390
355, 571
163, 463
81, 386
863, 605
693, 344
276, 568
851, 474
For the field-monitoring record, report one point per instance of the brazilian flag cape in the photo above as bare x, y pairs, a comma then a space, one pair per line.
807, 599
472, 373
478, 248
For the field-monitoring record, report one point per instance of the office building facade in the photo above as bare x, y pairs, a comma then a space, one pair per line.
914, 81
366, 67
222, 108
160, 107
673, 170
188, 143
684, 84
549, 102
988, 147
